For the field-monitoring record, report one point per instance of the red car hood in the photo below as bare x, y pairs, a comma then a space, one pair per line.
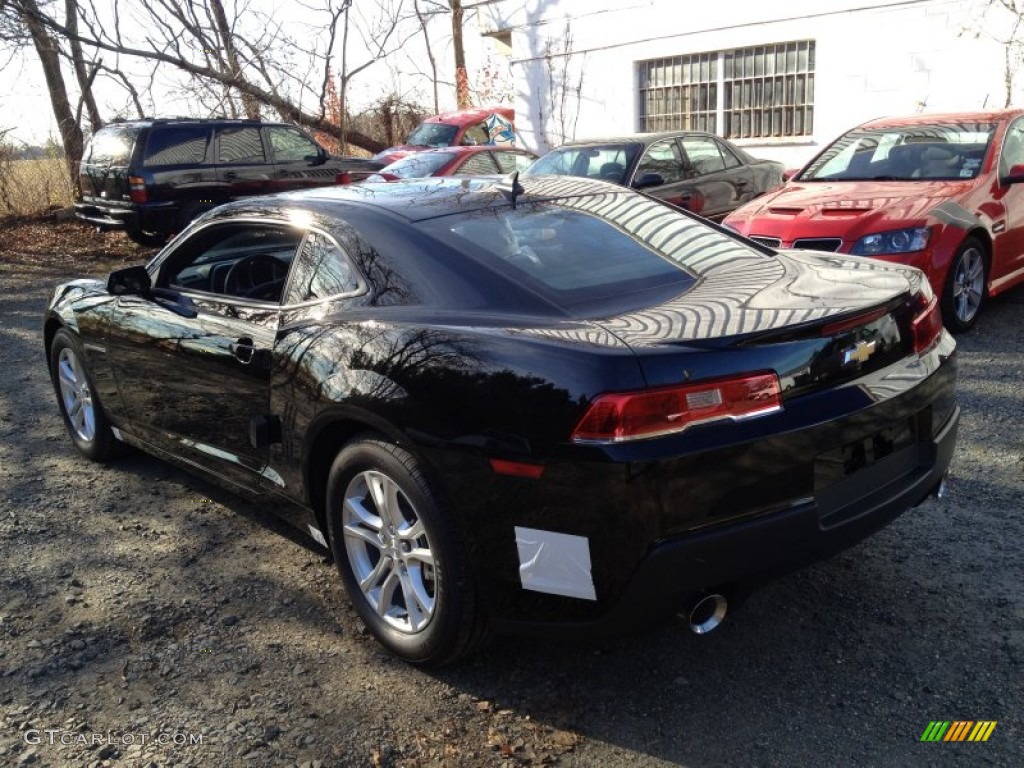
846, 209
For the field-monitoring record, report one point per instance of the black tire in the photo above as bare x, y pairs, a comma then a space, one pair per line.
388, 547
147, 239
80, 407
190, 212
966, 285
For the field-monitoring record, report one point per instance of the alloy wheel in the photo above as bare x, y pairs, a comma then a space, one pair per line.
389, 552
76, 395
968, 284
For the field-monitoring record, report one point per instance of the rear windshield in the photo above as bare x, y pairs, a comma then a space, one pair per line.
433, 135
608, 161
939, 151
591, 255
418, 165
177, 145
112, 145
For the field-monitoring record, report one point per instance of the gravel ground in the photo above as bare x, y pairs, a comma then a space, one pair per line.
148, 618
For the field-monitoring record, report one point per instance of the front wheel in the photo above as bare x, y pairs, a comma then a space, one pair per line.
399, 556
964, 292
80, 407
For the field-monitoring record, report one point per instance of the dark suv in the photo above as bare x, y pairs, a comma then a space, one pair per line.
152, 177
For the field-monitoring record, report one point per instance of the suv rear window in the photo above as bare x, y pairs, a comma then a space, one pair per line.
177, 145
112, 145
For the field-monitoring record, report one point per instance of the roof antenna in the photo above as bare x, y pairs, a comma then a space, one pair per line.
511, 188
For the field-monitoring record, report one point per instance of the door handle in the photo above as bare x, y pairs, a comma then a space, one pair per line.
230, 175
244, 350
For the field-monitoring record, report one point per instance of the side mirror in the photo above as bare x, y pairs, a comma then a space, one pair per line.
1015, 176
130, 281
649, 180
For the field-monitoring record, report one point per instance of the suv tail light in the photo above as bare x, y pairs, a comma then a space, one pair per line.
137, 189
927, 322
650, 413
343, 178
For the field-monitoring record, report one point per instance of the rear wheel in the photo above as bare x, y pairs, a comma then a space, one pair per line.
399, 556
83, 415
964, 292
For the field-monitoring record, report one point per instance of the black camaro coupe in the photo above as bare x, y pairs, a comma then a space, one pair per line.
555, 405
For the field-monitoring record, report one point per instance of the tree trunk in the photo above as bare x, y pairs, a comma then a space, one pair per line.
82, 74
250, 104
461, 78
49, 57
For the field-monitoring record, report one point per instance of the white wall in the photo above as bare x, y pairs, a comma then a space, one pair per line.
873, 58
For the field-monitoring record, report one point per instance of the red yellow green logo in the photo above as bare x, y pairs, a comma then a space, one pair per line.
958, 730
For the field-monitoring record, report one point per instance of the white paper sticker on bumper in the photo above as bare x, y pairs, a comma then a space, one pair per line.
556, 563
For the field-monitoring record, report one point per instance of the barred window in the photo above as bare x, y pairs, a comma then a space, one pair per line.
757, 92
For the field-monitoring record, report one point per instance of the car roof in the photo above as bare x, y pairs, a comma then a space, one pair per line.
900, 121
151, 121
427, 198
633, 138
472, 115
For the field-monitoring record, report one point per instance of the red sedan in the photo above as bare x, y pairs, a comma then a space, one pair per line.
938, 192
486, 160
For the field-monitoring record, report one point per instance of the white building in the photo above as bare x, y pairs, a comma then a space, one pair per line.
778, 78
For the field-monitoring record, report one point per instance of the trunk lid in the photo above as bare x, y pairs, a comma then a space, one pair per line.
815, 319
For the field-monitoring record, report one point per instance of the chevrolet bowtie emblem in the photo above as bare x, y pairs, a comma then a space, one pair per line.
859, 352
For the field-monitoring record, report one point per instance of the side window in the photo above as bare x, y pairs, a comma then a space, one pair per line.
513, 161
322, 270
177, 145
478, 164
728, 156
662, 158
291, 146
702, 155
476, 135
246, 261
240, 145
1013, 148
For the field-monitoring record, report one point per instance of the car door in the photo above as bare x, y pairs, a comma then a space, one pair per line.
192, 358
243, 167
661, 172
299, 162
721, 180
1008, 248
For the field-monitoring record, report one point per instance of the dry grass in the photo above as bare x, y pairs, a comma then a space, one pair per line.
32, 186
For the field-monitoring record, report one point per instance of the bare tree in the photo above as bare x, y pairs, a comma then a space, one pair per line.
47, 48
245, 52
423, 18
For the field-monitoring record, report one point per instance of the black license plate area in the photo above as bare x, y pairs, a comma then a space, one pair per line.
840, 463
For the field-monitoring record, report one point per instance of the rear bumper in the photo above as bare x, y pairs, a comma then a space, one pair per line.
754, 551
152, 217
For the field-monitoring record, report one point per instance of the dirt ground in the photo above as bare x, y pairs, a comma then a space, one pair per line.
148, 618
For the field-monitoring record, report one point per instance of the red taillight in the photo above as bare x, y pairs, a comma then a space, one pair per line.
927, 323
343, 178
137, 189
634, 415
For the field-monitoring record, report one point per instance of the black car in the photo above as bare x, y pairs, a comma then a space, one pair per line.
552, 406
696, 171
152, 177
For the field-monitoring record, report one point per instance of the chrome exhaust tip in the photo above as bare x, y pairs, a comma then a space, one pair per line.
707, 613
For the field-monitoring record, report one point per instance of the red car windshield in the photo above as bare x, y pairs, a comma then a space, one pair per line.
908, 153
433, 135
